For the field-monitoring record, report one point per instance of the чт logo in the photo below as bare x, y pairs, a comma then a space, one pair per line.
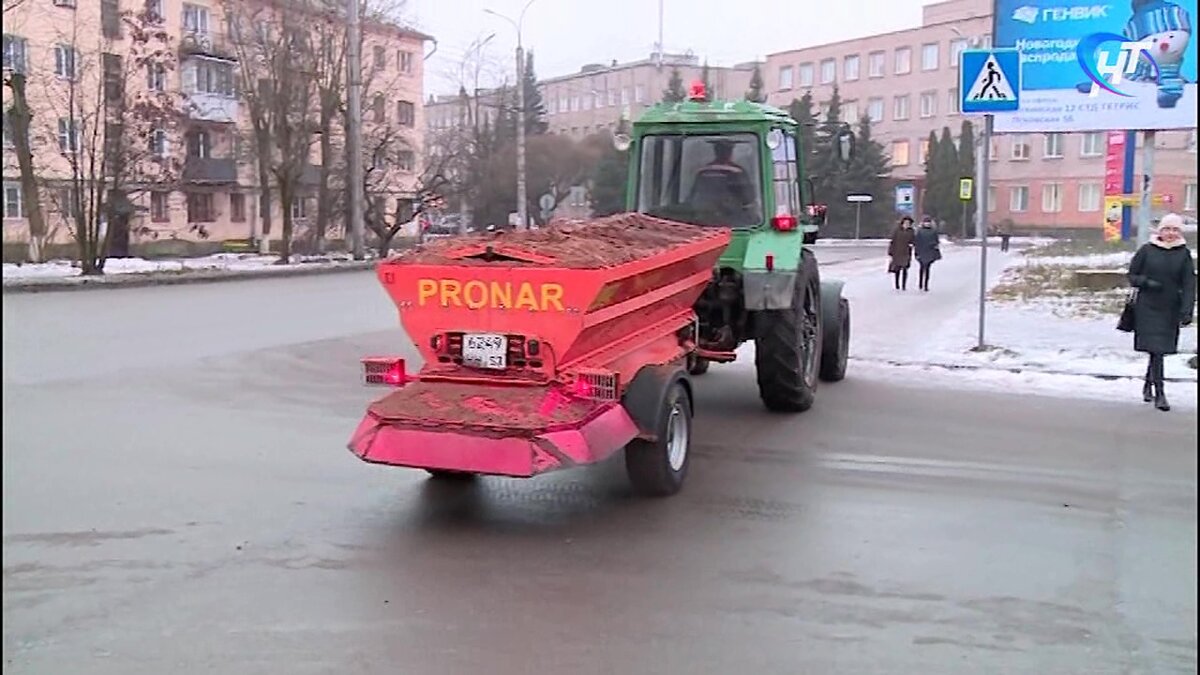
1124, 62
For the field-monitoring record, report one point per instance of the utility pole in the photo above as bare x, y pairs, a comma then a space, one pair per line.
660, 34
1144, 207
354, 128
522, 211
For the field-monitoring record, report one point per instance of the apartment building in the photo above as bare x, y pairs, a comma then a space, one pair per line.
907, 82
214, 195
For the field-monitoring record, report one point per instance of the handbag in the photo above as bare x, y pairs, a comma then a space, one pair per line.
1128, 319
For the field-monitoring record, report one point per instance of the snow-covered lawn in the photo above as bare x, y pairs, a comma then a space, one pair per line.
61, 269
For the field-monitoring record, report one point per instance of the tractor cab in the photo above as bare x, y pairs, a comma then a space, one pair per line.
736, 164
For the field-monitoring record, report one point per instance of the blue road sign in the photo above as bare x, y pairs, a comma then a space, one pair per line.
989, 81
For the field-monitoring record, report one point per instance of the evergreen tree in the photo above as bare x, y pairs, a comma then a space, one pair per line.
755, 92
950, 206
610, 177
828, 169
535, 107
868, 173
934, 179
674, 93
505, 126
966, 166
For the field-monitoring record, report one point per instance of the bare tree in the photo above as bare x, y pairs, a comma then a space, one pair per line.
112, 130
20, 119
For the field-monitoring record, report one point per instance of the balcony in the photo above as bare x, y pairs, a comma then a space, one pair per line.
213, 45
212, 107
209, 171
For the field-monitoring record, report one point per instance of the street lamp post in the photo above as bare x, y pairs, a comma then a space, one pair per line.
522, 215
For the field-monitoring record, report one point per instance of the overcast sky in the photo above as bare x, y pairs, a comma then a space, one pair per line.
565, 34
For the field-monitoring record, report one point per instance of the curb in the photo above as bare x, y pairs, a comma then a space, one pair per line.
1016, 370
140, 280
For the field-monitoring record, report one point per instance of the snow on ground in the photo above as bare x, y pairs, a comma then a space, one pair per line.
1118, 260
220, 261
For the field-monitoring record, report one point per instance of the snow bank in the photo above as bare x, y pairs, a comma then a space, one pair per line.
61, 269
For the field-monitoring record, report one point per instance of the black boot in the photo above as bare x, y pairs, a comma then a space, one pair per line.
1148, 391
1160, 397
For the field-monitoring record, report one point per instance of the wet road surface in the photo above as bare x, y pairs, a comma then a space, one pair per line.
177, 499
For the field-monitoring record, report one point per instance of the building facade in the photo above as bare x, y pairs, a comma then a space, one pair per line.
907, 82
213, 192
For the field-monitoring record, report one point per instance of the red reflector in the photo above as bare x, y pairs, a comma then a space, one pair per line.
770, 263
384, 370
784, 222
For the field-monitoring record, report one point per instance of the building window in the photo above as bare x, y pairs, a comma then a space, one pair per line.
154, 11
9, 142
785, 78
1054, 146
928, 104
156, 77
405, 59
68, 135
1093, 144
876, 64
405, 113
900, 153
114, 77
639, 93
195, 20
850, 68
806, 74
1021, 149
212, 77
199, 144
15, 49
1189, 197
924, 152
377, 108
160, 211
379, 62
14, 206
64, 61
299, 208
1191, 141
957, 47
1018, 199
200, 207
110, 18
900, 108
875, 109
237, 207
828, 71
991, 194
1052, 198
904, 60
408, 161
1090, 195
929, 56
952, 101
158, 143
624, 95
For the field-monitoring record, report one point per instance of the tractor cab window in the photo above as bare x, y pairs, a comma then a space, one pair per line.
702, 179
786, 178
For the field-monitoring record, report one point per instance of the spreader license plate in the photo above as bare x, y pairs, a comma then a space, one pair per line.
482, 350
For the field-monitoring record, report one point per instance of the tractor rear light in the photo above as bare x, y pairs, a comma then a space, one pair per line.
600, 385
784, 222
770, 262
533, 347
384, 370
436, 342
454, 342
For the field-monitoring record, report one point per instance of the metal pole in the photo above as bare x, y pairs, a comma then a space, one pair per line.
1127, 184
857, 220
983, 227
522, 216
354, 129
982, 157
1144, 209
660, 34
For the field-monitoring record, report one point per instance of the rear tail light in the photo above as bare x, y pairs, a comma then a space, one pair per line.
784, 222
384, 370
770, 262
601, 385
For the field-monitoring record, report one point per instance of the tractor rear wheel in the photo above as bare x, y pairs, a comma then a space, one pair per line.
787, 349
835, 354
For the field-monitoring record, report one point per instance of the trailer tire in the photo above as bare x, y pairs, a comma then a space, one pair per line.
697, 365
657, 468
447, 475
787, 345
835, 355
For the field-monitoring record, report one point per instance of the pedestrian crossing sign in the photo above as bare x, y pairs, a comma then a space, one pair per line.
989, 80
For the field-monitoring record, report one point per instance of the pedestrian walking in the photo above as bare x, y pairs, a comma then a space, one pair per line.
900, 249
1164, 276
927, 246
1005, 235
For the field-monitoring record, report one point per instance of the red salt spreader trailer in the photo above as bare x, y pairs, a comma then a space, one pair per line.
545, 350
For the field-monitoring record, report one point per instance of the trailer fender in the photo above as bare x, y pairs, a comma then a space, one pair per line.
644, 396
831, 298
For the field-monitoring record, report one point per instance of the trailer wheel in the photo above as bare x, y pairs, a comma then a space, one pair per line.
697, 365
448, 476
787, 345
657, 468
835, 355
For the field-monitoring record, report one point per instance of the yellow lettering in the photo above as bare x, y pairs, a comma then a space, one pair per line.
526, 298
552, 295
450, 291
426, 289
476, 294
501, 294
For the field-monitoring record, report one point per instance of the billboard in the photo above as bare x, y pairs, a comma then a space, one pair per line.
1091, 65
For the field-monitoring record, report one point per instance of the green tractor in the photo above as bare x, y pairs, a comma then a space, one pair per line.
741, 164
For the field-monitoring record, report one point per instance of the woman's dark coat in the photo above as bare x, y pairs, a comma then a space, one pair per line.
901, 249
927, 245
1166, 281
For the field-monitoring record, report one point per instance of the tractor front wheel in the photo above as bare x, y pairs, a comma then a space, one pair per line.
787, 349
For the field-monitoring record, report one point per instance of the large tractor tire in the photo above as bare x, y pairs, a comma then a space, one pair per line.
658, 468
835, 353
787, 350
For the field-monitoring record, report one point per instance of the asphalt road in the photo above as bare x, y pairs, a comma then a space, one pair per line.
178, 499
